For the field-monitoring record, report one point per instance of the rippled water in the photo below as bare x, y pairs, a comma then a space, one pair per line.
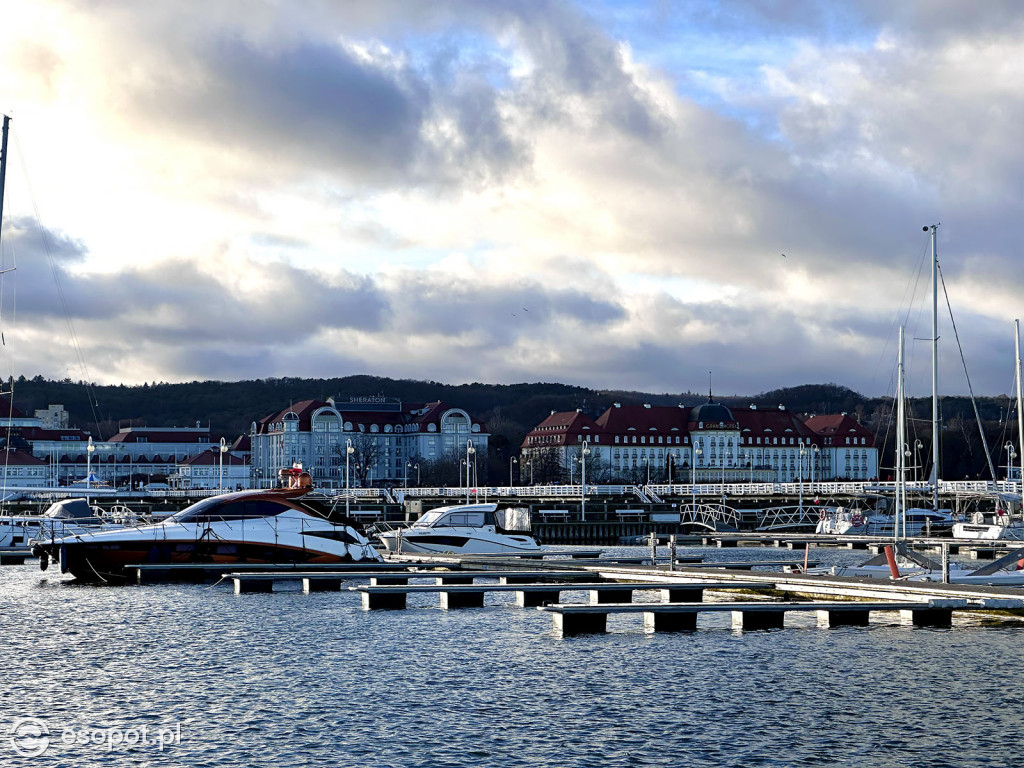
288, 679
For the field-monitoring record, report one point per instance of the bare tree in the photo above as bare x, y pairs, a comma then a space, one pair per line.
366, 454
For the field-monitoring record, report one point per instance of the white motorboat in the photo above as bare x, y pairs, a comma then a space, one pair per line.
998, 525
914, 522
62, 518
262, 526
471, 529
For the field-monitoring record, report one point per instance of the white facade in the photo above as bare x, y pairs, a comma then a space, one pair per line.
387, 441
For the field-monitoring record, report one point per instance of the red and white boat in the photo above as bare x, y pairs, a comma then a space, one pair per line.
262, 526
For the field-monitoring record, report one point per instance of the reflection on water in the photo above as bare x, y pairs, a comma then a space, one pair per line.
289, 679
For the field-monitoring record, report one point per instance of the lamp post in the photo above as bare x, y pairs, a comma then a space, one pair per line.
470, 450
511, 460
416, 466
800, 471
530, 465
89, 449
815, 450
750, 465
223, 450
917, 459
583, 480
669, 467
697, 452
349, 450
1011, 454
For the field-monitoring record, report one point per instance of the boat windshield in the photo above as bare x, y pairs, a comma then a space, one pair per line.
214, 509
427, 520
438, 519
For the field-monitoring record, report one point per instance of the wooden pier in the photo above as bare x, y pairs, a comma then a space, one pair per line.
528, 595
682, 617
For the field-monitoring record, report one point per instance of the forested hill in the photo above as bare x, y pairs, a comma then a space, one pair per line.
229, 408
510, 411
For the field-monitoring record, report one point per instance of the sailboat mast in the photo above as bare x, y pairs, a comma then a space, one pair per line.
1020, 413
3, 171
934, 476
901, 437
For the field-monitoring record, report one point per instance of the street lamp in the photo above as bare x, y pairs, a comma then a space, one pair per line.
511, 460
697, 453
349, 450
223, 450
1011, 455
583, 479
530, 465
470, 450
918, 445
750, 464
815, 450
800, 471
89, 449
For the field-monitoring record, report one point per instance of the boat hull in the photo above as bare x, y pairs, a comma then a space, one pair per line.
456, 542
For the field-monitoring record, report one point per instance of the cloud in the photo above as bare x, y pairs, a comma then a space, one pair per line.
518, 191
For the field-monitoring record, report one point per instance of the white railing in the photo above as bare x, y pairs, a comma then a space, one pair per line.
709, 515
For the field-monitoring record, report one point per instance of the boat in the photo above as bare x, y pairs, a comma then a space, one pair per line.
916, 521
465, 529
276, 525
998, 524
1006, 521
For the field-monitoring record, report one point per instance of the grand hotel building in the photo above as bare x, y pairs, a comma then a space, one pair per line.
706, 443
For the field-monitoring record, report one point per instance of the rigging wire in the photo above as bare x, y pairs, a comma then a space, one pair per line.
93, 403
970, 388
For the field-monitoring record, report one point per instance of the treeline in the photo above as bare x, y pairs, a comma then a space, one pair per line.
512, 410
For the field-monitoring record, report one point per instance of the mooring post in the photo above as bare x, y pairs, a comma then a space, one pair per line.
672, 552
654, 548
945, 563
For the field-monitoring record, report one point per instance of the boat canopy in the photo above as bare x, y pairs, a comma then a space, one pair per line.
70, 509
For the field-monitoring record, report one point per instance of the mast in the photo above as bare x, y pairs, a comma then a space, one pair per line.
1020, 414
933, 478
901, 437
3, 171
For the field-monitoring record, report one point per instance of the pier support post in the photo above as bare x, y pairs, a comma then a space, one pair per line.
747, 620
451, 600
931, 617
244, 586
321, 585
533, 598
569, 624
600, 596
383, 581
669, 622
388, 602
843, 618
678, 595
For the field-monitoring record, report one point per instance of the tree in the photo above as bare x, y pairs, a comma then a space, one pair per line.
366, 454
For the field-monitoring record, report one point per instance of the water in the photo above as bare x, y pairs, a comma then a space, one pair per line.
288, 679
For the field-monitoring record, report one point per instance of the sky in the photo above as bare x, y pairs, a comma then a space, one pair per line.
620, 195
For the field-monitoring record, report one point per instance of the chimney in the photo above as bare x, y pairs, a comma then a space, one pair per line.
647, 405
753, 407
618, 405
782, 407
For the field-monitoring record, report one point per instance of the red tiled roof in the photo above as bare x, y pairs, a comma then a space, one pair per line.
8, 411
20, 458
212, 458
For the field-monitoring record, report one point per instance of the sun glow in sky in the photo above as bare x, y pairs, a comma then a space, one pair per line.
598, 194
